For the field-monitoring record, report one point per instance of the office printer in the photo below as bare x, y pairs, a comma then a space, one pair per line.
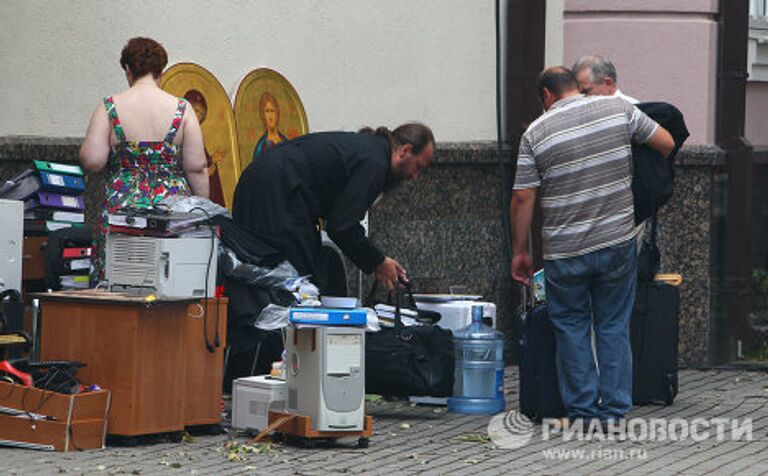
166, 267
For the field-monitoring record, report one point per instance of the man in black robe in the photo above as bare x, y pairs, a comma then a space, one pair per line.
334, 176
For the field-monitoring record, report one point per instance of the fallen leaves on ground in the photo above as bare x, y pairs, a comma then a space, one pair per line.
419, 458
474, 438
236, 451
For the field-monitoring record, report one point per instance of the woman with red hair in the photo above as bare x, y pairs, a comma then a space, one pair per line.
153, 148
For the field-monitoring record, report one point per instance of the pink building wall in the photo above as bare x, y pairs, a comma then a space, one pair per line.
663, 51
756, 124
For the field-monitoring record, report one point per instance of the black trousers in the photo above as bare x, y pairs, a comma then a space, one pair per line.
267, 202
294, 224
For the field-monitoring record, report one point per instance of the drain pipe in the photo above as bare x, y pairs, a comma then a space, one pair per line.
731, 105
520, 29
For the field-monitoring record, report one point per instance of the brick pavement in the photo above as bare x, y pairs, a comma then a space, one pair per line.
420, 439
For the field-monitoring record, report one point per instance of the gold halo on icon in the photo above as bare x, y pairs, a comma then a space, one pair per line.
253, 102
210, 100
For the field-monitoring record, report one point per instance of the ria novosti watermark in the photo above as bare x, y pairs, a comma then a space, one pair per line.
595, 454
514, 430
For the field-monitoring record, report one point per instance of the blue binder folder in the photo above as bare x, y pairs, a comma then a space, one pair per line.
61, 183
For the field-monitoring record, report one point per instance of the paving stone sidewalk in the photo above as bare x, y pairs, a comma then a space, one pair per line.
421, 439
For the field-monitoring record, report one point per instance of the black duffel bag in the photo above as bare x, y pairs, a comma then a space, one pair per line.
409, 360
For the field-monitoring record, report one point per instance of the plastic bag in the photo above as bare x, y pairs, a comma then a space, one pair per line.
283, 276
192, 203
272, 317
372, 322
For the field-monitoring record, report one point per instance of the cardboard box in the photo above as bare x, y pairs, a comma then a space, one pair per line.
41, 419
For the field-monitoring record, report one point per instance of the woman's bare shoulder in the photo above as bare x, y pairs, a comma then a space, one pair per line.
168, 97
121, 95
156, 95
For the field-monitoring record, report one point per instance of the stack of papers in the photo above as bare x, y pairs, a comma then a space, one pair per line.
74, 281
386, 315
187, 225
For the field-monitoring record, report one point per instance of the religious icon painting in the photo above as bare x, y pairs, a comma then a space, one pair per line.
214, 111
268, 111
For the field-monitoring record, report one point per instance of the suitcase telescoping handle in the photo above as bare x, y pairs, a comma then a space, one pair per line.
524, 291
527, 300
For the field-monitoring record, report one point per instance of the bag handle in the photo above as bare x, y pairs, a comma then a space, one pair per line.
371, 297
398, 314
411, 299
369, 300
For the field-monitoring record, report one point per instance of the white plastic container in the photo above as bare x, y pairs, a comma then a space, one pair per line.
457, 313
253, 398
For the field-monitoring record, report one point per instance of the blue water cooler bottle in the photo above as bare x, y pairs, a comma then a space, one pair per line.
479, 385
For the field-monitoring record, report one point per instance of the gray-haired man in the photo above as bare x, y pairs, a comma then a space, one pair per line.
597, 77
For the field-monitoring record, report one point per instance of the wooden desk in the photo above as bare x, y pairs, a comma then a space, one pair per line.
33, 257
205, 370
151, 356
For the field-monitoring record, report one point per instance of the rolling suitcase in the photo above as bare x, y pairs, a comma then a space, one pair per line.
539, 390
654, 338
653, 331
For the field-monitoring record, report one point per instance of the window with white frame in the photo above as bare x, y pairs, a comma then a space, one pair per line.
758, 8
757, 50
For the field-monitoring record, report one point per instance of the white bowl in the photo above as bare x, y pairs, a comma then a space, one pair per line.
339, 302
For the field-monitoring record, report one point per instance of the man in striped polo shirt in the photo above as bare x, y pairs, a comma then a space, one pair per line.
577, 158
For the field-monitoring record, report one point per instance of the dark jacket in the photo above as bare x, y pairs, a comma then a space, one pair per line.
653, 177
335, 176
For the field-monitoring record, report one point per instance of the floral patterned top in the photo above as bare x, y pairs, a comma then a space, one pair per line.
140, 174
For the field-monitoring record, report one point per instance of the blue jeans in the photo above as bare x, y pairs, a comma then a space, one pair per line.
594, 290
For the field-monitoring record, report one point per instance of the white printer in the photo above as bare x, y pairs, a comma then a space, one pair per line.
253, 398
456, 309
167, 267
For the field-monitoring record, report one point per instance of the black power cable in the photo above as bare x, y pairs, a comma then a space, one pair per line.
210, 346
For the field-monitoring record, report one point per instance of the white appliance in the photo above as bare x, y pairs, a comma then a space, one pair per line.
166, 267
456, 313
11, 242
325, 374
253, 398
